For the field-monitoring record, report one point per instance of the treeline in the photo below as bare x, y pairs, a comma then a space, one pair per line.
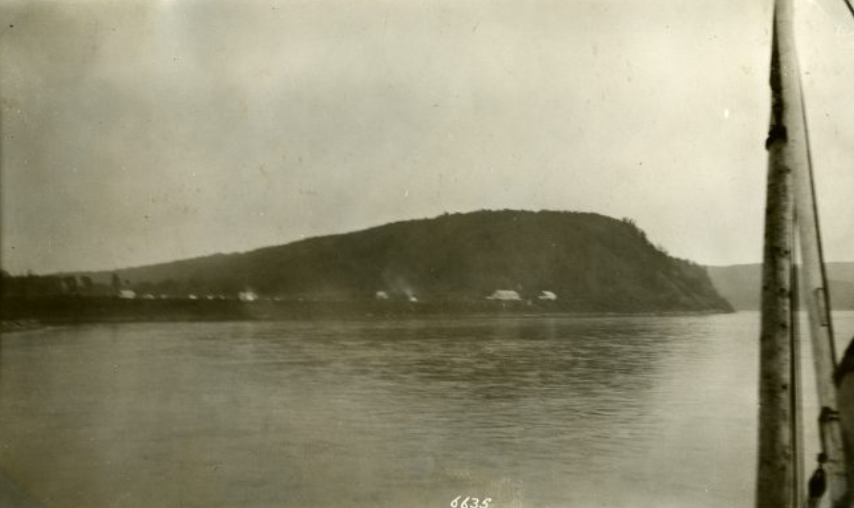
32, 286
53, 285
37, 286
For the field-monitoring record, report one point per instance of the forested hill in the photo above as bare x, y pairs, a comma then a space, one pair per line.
589, 262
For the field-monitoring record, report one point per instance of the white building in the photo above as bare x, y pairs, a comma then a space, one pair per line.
127, 294
247, 296
505, 295
547, 295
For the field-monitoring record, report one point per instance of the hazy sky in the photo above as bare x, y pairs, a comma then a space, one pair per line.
142, 132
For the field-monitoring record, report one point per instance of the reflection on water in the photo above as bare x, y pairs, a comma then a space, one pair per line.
531, 412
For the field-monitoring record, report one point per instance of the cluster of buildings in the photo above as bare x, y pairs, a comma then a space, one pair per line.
129, 294
384, 295
508, 295
503, 295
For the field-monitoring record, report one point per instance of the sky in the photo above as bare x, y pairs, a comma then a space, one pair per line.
139, 132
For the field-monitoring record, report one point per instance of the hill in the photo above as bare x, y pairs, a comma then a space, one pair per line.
741, 285
589, 261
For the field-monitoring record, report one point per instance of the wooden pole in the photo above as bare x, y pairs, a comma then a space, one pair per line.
814, 285
776, 471
799, 491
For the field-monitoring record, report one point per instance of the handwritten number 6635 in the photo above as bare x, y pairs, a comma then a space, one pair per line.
471, 502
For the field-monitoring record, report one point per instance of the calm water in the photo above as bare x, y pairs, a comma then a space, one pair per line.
531, 412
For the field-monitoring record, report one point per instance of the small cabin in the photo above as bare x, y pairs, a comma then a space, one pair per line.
127, 294
505, 295
547, 296
247, 296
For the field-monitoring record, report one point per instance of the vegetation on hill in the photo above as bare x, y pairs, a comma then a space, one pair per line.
589, 261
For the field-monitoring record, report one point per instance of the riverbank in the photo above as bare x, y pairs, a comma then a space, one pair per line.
25, 314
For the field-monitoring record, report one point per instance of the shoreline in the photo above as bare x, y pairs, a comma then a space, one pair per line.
20, 325
23, 315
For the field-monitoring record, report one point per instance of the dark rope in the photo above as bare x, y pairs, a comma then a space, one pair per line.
825, 294
850, 7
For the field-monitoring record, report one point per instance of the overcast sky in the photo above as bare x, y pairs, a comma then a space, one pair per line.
142, 132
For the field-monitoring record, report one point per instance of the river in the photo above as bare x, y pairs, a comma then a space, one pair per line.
529, 412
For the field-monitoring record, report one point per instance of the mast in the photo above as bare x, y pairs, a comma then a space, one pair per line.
791, 195
777, 457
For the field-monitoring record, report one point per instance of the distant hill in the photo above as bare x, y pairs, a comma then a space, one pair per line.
741, 285
589, 261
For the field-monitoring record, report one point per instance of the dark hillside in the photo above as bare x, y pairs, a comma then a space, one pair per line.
591, 262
